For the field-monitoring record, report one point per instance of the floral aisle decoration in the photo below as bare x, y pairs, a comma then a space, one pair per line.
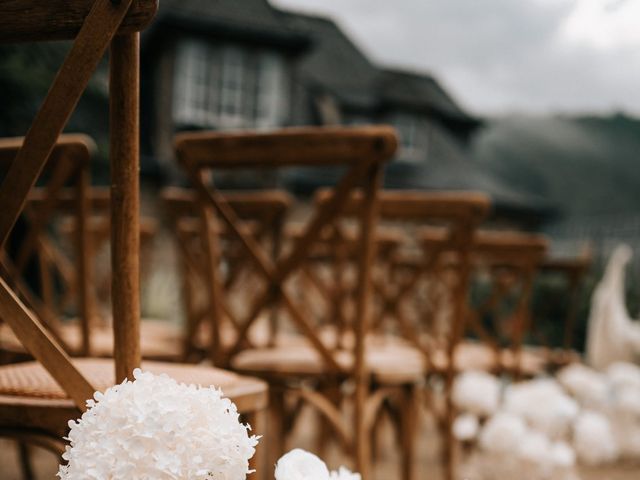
153, 428
299, 464
549, 424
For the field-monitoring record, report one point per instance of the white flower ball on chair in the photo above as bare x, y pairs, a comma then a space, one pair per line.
155, 429
299, 464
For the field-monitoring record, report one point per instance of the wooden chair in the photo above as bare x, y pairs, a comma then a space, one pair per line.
81, 215
68, 164
38, 398
406, 267
502, 319
361, 152
264, 212
572, 271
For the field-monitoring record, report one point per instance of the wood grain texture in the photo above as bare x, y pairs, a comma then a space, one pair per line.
85, 54
37, 20
43, 347
414, 205
125, 201
291, 146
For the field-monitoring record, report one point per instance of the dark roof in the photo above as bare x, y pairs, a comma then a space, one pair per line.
252, 20
335, 63
419, 91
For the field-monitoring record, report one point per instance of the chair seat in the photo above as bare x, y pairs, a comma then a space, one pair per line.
476, 356
30, 397
159, 340
388, 364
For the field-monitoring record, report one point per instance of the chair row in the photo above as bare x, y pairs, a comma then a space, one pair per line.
352, 300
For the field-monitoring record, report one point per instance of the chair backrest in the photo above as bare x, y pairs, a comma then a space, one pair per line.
510, 262
573, 272
361, 151
263, 213
94, 26
407, 272
65, 183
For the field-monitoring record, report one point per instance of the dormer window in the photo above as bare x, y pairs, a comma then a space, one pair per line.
413, 133
229, 86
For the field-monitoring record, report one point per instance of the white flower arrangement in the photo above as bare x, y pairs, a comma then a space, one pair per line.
154, 428
299, 464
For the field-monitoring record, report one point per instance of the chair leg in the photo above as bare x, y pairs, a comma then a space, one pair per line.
409, 419
257, 420
25, 461
275, 436
448, 441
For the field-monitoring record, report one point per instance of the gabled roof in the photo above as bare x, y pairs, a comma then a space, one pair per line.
419, 91
248, 19
339, 66
335, 63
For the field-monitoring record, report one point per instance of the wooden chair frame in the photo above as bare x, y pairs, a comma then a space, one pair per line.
462, 212
94, 26
266, 208
362, 151
69, 161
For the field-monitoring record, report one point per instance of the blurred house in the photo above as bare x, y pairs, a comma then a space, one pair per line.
235, 64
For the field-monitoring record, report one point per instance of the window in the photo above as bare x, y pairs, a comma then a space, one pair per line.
270, 97
229, 87
412, 132
192, 86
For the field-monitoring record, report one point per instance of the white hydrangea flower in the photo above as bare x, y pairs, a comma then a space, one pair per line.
466, 427
476, 392
593, 439
588, 386
563, 455
536, 448
155, 429
502, 433
544, 405
299, 464
623, 375
344, 474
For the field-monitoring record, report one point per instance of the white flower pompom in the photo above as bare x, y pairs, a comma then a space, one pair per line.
299, 464
502, 433
155, 429
466, 427
344, 474
563, 455
593, 439
477, 393
544, 405
623, 375
536, 448
589, 387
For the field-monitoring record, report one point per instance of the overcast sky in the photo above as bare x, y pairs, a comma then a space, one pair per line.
503, 56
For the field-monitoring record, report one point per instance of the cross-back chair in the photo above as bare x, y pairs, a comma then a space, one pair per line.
38, 398
361, 152
502, 317
66, 172
263, 215
409, 274
571, 272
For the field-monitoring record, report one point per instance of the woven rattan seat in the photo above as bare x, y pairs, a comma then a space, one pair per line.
476, 356
159, 340
30, 397
389, 364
